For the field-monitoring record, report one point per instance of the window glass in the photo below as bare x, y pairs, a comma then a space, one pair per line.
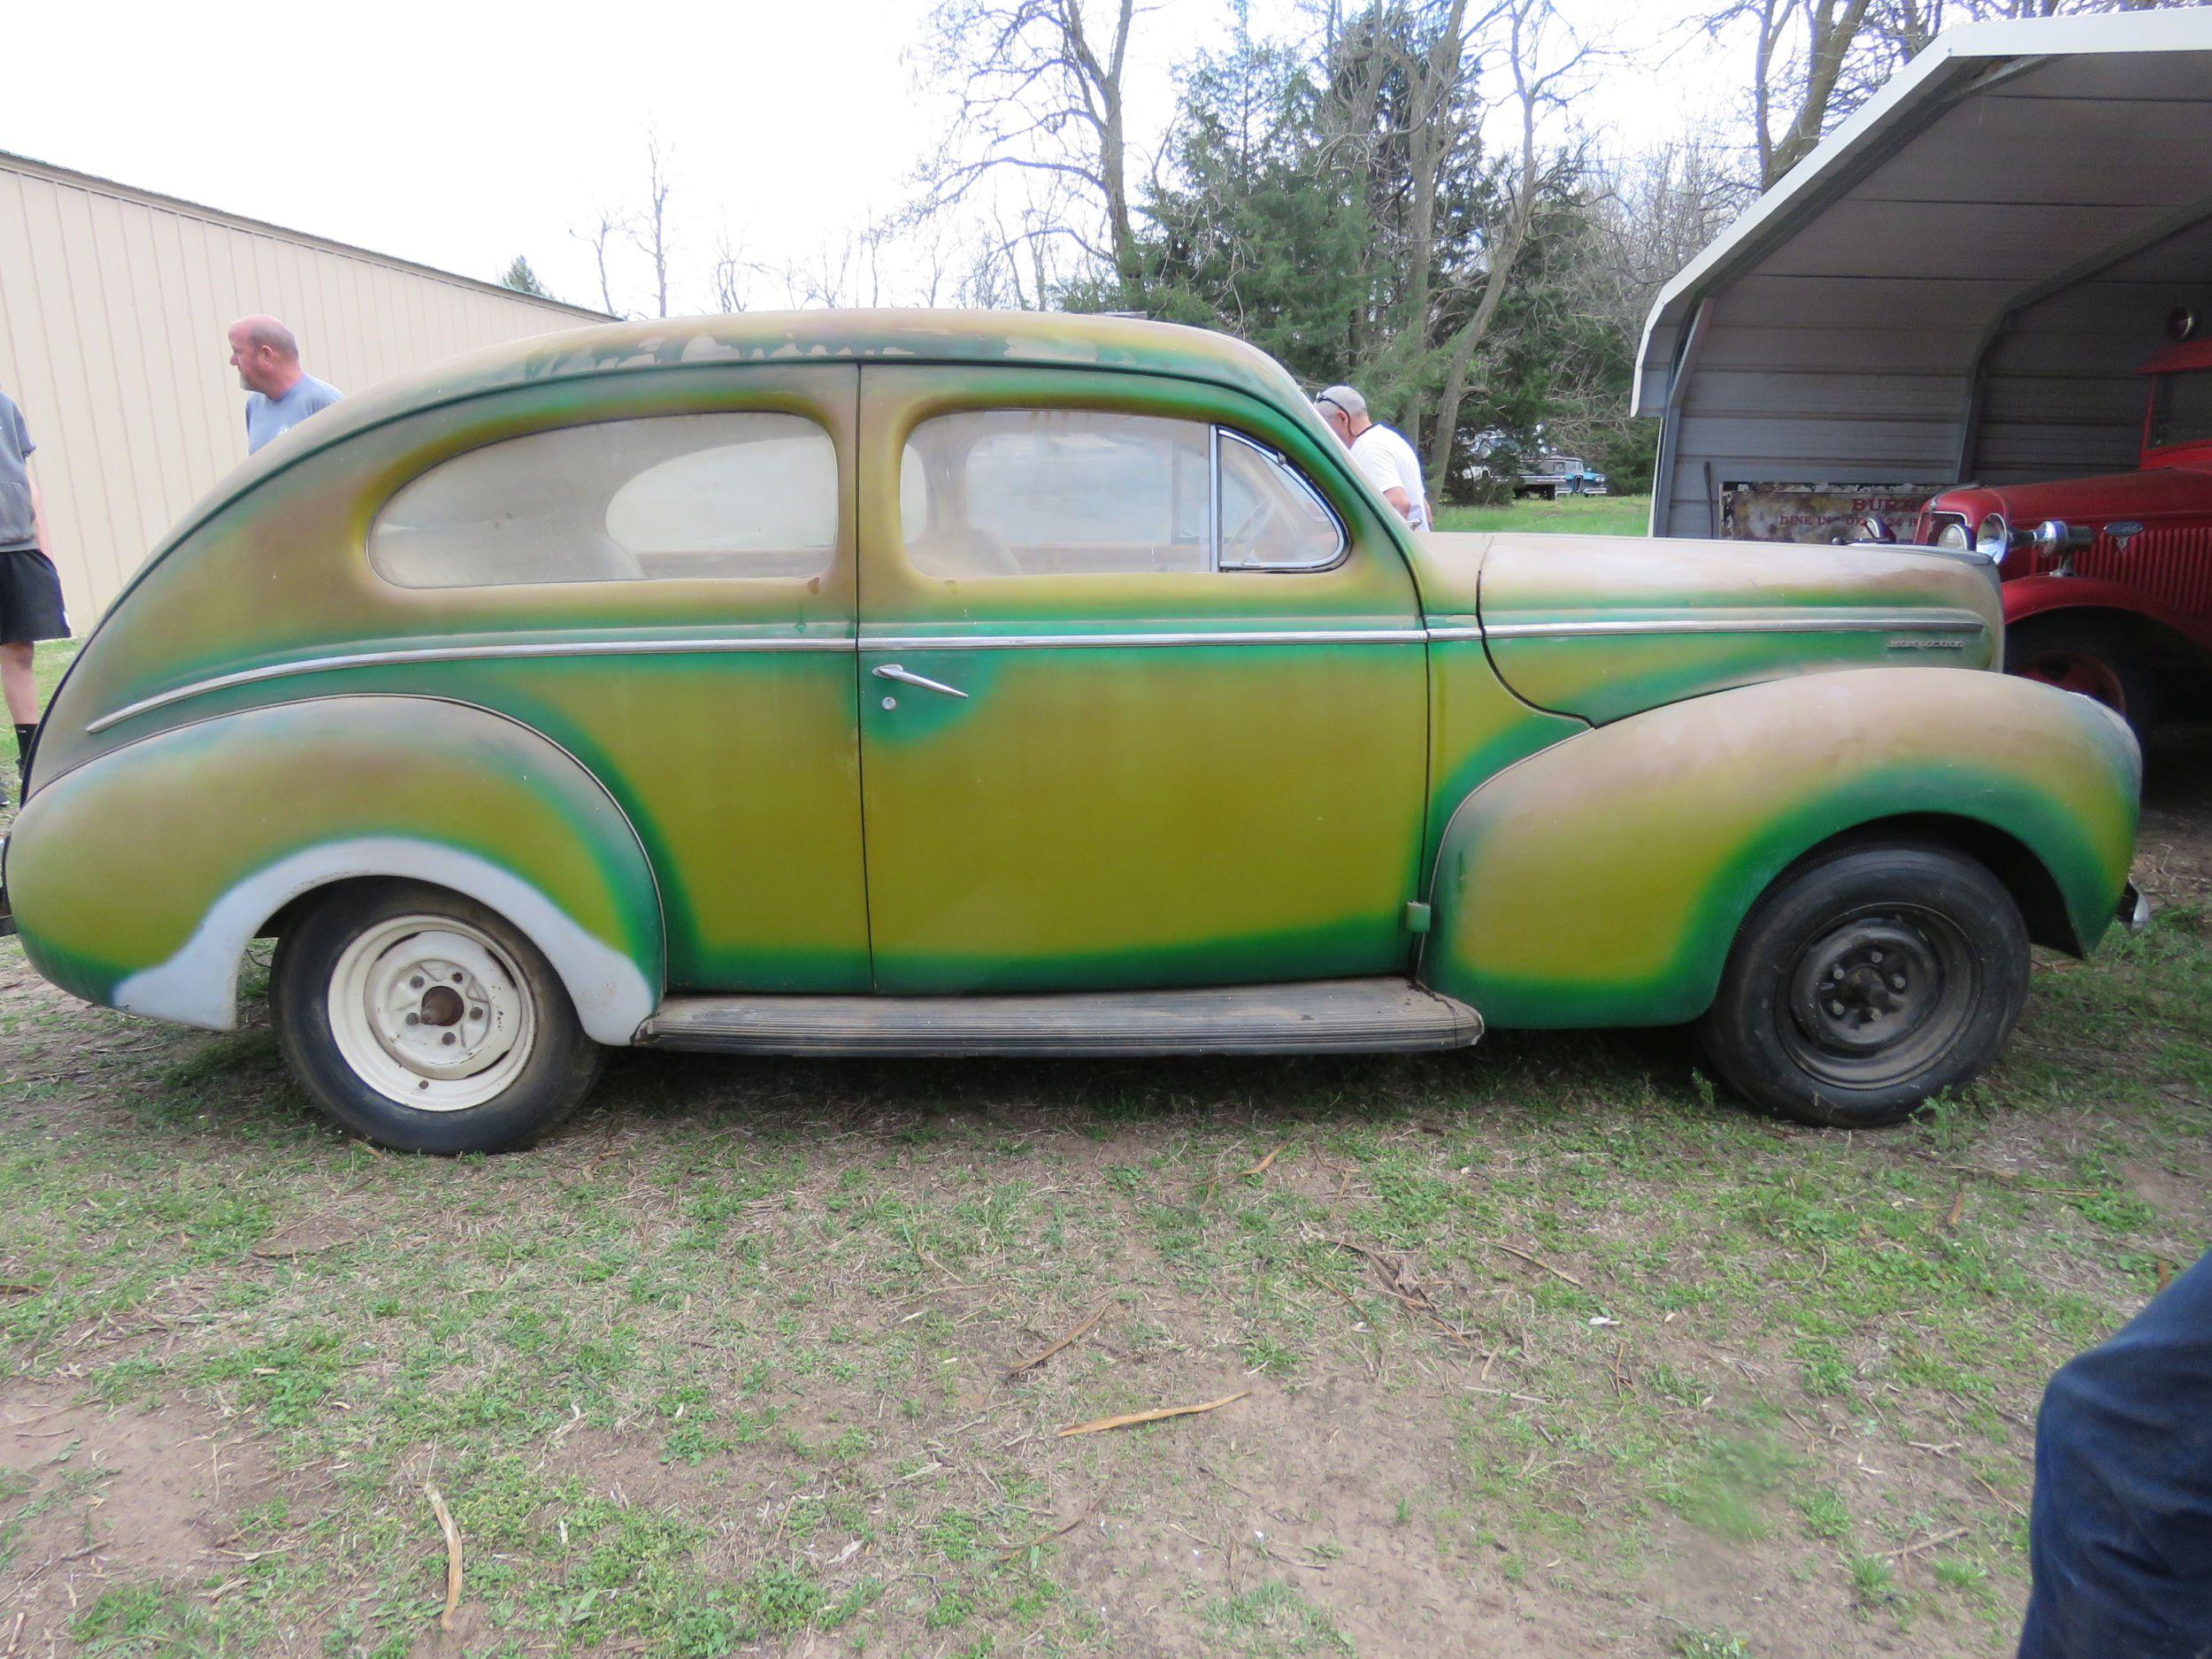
1036, 492
668, 495
1270, 517
2181, 408
1056, 491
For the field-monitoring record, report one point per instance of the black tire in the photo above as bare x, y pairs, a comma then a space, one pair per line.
505, 983
1855, 921
2088, 655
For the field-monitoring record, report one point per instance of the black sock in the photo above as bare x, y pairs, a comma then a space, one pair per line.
23, 736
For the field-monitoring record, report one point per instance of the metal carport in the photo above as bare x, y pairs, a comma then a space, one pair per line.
1960, 282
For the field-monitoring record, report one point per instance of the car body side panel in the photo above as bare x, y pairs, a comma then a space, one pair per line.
738, 762
1603, 626
1234, 794
230, 818
1601, 881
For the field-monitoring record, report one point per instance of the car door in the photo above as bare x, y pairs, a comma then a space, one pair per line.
1141, 686
659, 575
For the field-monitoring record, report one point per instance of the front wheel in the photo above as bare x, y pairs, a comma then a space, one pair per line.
1867, 981
2087, 655
425, 1022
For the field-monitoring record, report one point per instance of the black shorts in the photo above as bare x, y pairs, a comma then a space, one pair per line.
30, 598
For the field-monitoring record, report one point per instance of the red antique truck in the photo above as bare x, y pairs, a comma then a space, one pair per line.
2108, 581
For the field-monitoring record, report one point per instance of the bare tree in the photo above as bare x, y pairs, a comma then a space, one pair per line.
648, 228
1654, 212
605, 226
1040, 86
731, 276
1544, 63
1815, 61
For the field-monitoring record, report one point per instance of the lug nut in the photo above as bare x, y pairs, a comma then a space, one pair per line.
415, 983
414, 1020
446, 1040
1896, 981
1836, 1008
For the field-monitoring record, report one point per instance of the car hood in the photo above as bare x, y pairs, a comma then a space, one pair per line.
1603, 626
2091, 502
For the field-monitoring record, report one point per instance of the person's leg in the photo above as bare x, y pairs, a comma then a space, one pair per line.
20, 682
2120, 1536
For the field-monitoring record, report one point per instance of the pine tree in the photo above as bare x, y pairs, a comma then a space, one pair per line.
523, 280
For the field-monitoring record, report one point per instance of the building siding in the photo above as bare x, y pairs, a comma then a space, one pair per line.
113, 304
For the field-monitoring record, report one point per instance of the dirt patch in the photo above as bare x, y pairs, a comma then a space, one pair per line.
2173, 858
90, 1498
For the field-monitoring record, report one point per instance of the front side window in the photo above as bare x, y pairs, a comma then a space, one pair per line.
1039, 492
2181, 408
657, 498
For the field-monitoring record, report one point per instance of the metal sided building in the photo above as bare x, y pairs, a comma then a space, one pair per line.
114, 304
1960, 283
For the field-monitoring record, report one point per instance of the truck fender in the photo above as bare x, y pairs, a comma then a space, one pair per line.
139, 879
2042, 595
1601, 881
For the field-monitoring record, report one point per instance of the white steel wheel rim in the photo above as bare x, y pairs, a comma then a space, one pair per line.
429, 1011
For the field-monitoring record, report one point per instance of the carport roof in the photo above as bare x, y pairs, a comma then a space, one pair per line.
2003, 165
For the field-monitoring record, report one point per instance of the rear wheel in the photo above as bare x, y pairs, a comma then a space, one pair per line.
423, 1021
1865, 982
2087, 655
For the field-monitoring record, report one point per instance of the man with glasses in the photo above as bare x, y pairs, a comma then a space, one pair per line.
1383, 457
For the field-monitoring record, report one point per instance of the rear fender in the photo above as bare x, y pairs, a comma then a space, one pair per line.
139, 878
1601, 881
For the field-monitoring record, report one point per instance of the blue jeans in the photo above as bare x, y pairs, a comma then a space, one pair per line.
2120, 1536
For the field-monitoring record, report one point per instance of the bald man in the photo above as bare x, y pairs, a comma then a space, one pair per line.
280, 394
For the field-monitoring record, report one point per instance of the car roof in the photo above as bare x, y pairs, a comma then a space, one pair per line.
1028, 339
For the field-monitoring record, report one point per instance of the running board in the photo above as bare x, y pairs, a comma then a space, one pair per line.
1320, 1017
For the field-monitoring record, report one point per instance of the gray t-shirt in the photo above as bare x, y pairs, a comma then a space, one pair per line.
18, 529
266, 417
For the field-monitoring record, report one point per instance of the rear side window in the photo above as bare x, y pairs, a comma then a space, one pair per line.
1071, 492
663, 497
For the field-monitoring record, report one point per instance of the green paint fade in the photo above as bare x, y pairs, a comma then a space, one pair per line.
1601, 882
112, 868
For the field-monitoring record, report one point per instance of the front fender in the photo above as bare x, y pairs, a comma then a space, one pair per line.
138, 879
2040, 596
1601, 881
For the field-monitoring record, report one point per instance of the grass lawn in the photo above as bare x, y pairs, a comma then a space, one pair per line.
1571, 515
1542, 1349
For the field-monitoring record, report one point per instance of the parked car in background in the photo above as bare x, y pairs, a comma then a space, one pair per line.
2108, 581
900, 683
1557, 475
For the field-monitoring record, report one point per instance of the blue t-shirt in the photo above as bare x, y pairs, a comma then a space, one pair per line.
266, 417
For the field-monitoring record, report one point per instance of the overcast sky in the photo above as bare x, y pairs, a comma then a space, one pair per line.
461, 134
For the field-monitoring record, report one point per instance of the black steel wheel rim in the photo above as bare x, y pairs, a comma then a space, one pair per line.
1876, 995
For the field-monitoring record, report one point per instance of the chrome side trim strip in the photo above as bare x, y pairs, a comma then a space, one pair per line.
1846, 622
461, 653
1101, 641
1834, 622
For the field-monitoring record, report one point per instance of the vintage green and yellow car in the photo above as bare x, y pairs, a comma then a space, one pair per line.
906, 683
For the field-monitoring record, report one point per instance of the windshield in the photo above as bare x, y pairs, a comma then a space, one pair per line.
2181, 409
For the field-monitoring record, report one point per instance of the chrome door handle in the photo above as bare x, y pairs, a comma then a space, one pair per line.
891, 670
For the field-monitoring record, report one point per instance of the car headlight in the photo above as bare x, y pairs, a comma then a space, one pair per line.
1995, 540
1953, 535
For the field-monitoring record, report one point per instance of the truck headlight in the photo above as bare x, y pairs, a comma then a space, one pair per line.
1953, 535
1995, 540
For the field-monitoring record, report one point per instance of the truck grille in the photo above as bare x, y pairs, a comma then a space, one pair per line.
2170, 564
